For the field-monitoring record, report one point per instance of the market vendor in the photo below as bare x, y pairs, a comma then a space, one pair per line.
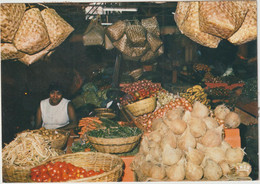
56, 112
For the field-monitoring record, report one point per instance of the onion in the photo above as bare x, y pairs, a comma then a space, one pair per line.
210, 122
199, 110
193, 172
178, 126
221, 111
176, 172
212, 171
234, 155
157, 172
232, 120
217, 154
170, 139
194, 155
226, 170
197, 127
171, 155
186, 140
213, 137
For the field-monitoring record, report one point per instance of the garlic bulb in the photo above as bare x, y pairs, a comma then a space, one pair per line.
221, 111
144, 145
173, 114
210, 122
226, 169
197, 127
242, 169
169, 138
155, 136
217, 154
186, 140
232, 120
213, 137
194, 155
199, 110
178, 126
171, 155
193, 172
176, 172
212, 171
234, 155
157, 172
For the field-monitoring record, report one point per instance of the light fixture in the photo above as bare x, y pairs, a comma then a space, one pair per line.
120, 9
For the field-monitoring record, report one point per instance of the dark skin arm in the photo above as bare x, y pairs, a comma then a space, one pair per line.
72, 118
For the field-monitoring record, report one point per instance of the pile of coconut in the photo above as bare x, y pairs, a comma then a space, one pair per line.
188, 145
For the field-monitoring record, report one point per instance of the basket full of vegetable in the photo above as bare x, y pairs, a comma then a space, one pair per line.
117, 139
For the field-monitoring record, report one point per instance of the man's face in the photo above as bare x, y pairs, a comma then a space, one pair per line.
55, 97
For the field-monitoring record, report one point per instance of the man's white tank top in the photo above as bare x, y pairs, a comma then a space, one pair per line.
54, 116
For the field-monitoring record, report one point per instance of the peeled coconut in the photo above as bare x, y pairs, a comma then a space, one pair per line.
186, 140
213, 137
177, 126
171, 155
232, 120
199, 110
193, 172
221, 111
176, 172
212, 171
197, 127
234, 155
194, 155
210, 122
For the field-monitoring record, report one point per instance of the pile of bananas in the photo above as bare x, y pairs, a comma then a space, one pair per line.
196, 93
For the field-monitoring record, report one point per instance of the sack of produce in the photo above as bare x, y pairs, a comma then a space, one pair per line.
221, 18
58, 28
116, 30
151, 25
154, 41
30, 59
248, 31
27, 150
8, 51
136, 33
108, 43
190, 25
38, 37
94, 34
10, 18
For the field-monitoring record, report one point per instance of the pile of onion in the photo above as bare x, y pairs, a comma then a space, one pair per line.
188, 145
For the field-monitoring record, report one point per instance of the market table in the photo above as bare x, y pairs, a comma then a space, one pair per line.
128, 175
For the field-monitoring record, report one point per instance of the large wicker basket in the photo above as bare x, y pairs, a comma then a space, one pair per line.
111, 164
142, 107
115, 145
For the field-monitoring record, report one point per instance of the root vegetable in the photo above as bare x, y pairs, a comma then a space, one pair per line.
194, 155
226, 170
234, 155
193, 172
232, 120
170, 139
210, 122
199, 110
176, 172
197, 127
178, 126
221, 111
157, 172
171, 155
212, 171
186, 140
217, 154
213, 137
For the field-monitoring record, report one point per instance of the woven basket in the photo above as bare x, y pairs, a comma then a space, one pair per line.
33, 23
57, 27
8, 51
180, 13
190, 26
116, 145
248, 31
142, 107
148, 56
116, 31
10, 18
136, 34
221, 18
12, 173
111, 164
61, 142
151, 25
30, 59
154, 41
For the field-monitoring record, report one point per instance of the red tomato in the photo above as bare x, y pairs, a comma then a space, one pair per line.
52, 174
77, 170
101, 171
82, 171
58, 177
49, 166
33, 177
91, 172
34, 169
43, 169
45, 176
39, 179
65, 177
63, 170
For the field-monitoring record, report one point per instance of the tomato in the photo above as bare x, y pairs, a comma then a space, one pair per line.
34, 169
82, 171
37, 173
39, 179
91, 172
101, 171
49, 166
65, 177
52, 174
45, 176
58, 177
33, 177
43, 169
63, 170
77, 170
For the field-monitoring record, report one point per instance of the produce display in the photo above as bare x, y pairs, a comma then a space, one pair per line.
198, 67
60, 172
50, 134
89, 123
27, 149
139, 90
196, 93
189, 145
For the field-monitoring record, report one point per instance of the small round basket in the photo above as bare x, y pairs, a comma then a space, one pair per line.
111, 164
102, 110
60, 143
142, 107
114, 145
108, 115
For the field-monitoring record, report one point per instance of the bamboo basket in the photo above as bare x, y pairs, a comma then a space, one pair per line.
13, 173
142, 107
111, 164
8, 51
116, 145
62, 141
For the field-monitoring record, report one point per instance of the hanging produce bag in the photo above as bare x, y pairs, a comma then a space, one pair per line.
57, 27
10, 19
248, 31
116, 30
154, 41
94, 34
108, 44
151, 25
189, 25
8, 51
136, 33
221, 18
32, 35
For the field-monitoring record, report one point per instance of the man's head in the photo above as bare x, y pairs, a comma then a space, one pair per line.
55, 93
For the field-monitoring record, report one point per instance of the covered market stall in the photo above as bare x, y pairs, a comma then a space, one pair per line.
161, 91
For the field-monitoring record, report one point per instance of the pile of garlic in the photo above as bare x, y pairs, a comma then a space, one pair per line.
188, 145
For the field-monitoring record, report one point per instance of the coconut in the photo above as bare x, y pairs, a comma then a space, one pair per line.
194, 155
170, 139
178, 126
173, 114
217, 154
157, 172
226, 170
